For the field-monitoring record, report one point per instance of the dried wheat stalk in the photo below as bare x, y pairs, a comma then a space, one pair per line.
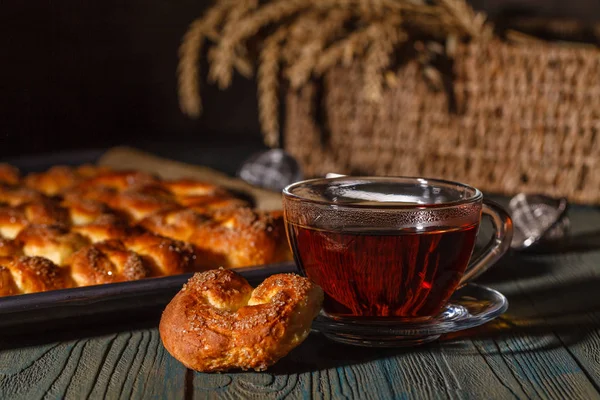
299, 33
384, 37
343, 51
306, 38
301, 67
189, 56
268, 86
459, 12
221, 56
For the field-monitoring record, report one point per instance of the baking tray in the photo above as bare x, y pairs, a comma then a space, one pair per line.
99, 305
106, 303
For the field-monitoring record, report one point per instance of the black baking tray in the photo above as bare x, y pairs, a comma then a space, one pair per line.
102, 304
106, 303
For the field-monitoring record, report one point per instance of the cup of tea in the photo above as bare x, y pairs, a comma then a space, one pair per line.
389, 248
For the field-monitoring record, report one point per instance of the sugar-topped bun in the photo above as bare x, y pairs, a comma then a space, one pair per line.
20, 275
53, 181
83, 211
164, 256
107, 262
54, 242
242, 237
60, 178
105, 227
179, 223
217, 322
118, 180
46, 212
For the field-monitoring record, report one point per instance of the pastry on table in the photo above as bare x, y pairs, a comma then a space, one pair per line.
218, 322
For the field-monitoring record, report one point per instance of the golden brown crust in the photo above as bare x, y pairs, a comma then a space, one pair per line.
118, 180
60, 178
46, 212
33, 274
106, 227
7, 283
10, 248
178, 223
240, 237
12, 221
193, 188
214, 324
106, 262
136, 203
211, 204
83, 211
139, 205
9, 175
99, 194
53, 181
15, 196
54, 242
164, 256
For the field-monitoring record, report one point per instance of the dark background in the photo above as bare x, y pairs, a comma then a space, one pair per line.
90, 74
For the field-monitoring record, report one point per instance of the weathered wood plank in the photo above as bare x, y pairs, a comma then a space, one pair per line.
324, 370
126, 365
29, 373
551, 299
480, 370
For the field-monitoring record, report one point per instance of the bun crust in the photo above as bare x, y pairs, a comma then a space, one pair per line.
217, 322
31, 275
107, 262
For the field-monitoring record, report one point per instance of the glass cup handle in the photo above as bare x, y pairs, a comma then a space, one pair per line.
497, 246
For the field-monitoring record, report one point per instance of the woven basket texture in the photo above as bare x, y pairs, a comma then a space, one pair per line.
517, 118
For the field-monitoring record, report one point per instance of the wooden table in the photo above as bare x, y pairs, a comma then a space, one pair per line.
546, 346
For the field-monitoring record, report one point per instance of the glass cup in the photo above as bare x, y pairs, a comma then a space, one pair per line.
389, 248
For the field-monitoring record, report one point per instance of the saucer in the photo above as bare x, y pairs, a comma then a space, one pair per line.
470, 306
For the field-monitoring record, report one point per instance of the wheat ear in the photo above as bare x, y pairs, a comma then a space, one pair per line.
268, 86
299, 70
344, 50
464, 17
384, 38
224, 58
188, 69
301, 30
222, 55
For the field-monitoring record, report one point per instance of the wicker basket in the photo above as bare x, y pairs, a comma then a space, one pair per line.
523, 119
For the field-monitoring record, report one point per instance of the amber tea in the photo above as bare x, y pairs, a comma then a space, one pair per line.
384, 273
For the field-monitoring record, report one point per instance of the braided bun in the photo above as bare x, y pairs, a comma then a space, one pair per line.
217, 322
54, 242
107, 262
20, 275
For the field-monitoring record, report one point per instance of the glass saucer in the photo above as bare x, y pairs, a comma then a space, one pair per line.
470, 306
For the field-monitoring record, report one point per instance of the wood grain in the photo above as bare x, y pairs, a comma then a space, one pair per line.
125, 365
546, 347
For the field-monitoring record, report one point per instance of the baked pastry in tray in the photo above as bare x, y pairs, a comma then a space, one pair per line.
80, 226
